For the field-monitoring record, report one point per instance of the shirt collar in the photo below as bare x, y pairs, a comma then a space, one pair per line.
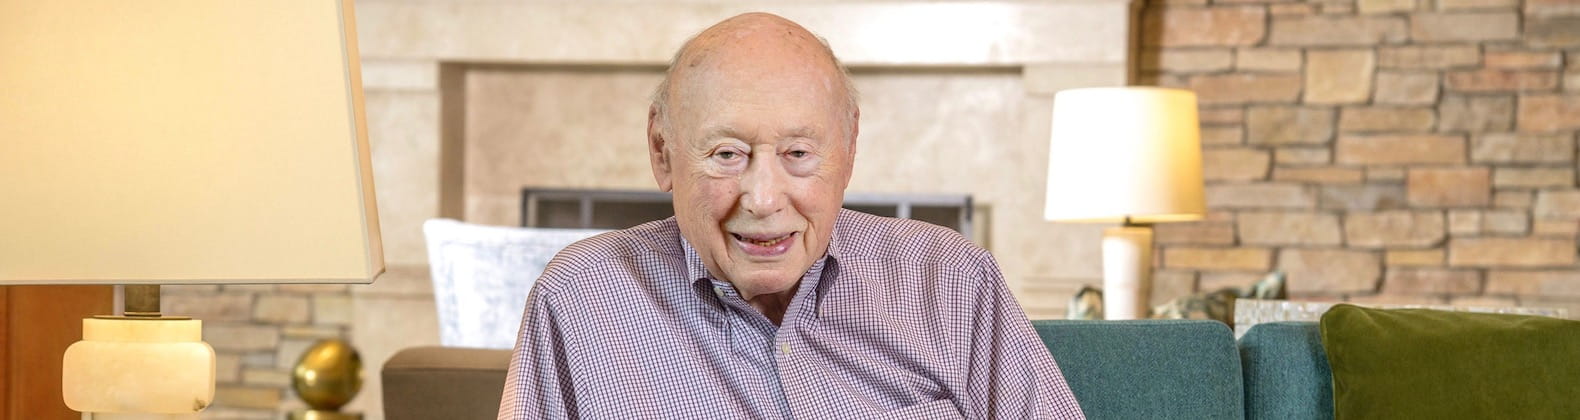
695, 270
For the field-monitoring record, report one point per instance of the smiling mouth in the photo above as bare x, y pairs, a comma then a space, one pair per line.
765, 245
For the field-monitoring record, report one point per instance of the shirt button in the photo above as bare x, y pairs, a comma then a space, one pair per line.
785, 347
718, 291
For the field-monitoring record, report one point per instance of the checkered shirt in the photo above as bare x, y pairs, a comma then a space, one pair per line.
901, 320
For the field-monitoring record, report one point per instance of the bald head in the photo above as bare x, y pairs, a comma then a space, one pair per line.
775, 46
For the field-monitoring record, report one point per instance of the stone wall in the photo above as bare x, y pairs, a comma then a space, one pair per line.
1412, 151
258, 332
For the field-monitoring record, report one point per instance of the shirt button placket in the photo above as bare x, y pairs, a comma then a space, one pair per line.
788, 380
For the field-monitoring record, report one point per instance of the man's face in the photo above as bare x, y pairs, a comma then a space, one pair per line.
759, 155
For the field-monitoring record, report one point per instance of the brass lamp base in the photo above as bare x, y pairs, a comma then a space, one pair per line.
322, 415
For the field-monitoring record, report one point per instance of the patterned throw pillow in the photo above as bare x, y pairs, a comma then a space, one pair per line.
482, 274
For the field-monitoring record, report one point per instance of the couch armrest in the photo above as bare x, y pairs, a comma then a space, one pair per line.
444, 383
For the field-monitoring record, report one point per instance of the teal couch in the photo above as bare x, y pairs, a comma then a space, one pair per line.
1117, 369
1178, 369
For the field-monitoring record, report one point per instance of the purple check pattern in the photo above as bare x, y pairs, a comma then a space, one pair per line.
901, 320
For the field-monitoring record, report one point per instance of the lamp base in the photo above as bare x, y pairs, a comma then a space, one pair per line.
127, 366
322, 415
138, 416
1127, 272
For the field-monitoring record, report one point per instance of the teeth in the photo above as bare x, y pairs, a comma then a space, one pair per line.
766, 243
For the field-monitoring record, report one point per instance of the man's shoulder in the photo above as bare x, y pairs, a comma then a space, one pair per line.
613, 253
868, 236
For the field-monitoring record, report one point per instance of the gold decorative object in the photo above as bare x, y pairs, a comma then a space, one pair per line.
327, 376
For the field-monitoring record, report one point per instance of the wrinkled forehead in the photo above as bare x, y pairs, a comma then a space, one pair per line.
780, 65
782, 76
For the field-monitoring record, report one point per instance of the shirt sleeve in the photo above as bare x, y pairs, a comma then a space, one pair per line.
538, 384
1012, 374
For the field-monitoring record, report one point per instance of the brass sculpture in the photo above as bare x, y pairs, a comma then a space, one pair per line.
327, 376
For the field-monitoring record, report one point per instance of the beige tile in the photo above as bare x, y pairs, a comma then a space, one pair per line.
402, 280
418, 75
332, 309
383, 326
650, 31
403, 132
1049, 78
554, 128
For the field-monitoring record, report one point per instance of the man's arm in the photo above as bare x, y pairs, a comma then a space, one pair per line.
538, 384
1012, 375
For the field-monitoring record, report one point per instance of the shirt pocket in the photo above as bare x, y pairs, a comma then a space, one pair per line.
937, 409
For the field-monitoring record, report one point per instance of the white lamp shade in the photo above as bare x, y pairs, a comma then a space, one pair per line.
1125, 152
183, 141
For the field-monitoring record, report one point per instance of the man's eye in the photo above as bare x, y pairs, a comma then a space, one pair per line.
726, 154
798, 154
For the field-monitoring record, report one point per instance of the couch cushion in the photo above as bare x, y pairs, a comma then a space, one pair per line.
1151, 369
1420, 363
1286, 372
444, 383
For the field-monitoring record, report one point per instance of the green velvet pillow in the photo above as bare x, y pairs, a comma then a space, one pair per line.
1426, 364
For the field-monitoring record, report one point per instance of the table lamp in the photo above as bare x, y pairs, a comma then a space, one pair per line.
1130, 155
178, 142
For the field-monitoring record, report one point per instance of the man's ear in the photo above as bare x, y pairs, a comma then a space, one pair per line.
656, 151
855, 132
850, 152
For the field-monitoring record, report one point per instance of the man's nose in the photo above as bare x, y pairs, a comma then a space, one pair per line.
762, 186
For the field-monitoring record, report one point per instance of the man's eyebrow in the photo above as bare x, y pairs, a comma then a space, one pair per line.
720, 131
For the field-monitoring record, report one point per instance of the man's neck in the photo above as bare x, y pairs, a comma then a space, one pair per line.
773, 306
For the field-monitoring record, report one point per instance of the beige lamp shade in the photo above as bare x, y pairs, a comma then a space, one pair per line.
183, 141
1124, 152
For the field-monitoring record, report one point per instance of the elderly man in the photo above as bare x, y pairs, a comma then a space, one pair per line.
762, 298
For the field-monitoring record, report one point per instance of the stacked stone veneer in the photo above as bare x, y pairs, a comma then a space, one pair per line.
1411, 151
258, 332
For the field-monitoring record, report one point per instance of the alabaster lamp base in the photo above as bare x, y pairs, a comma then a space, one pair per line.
139, 416
139, 368
1127, 272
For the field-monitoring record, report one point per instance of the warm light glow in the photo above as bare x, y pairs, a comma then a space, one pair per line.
1125, 152
183, 141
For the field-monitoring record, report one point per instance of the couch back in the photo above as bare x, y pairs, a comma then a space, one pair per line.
1152, 369
1286, 372
1179, 369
